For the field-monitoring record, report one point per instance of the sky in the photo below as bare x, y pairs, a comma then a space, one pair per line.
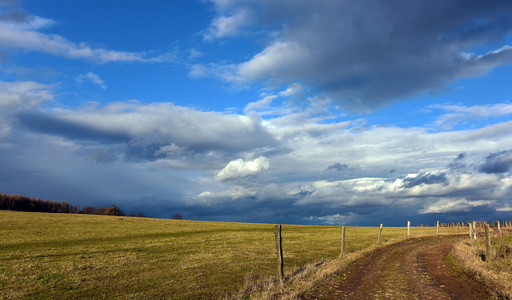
326, 112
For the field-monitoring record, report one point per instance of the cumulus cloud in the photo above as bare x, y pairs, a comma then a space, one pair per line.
457, 193
239, 168
365, 54
91, 77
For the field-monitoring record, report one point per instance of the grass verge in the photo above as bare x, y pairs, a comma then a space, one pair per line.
494, 270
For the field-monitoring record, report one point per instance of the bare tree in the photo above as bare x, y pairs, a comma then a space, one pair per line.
177, 216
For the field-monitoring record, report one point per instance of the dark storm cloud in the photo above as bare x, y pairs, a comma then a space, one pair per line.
44, 123
425, 178
370, 53
496, 163
153, 132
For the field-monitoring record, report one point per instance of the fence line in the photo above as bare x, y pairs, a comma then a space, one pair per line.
472, 226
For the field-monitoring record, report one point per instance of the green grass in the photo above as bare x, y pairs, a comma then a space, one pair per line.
46, 256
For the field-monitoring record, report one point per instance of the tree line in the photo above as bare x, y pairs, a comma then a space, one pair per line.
24, 203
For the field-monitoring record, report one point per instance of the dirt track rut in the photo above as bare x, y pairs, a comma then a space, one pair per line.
413, 269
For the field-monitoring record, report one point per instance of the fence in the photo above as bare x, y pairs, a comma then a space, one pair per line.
499, 228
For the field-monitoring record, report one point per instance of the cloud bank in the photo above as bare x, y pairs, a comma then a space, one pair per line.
290, 153
300, 164
364, 55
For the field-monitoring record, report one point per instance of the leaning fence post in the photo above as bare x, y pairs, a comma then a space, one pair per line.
437, 228
380, 234
342, 241
488, 248
408, 228
279, 252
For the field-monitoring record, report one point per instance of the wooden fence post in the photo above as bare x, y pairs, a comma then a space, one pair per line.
474, 230
279, 252
408, 228
499, 227
380, 234
342, 253
437, 228
488, 248
470, 232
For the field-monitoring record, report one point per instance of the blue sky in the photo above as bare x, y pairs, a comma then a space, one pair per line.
324, 112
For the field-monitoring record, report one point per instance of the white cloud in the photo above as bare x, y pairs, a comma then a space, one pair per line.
463, 114
212, 198
30, 23
239, 168
225, 26
260, 104
22, 34
292, 90
60, 46
449, 205
193, 54
91, 77
281, 59
23, 95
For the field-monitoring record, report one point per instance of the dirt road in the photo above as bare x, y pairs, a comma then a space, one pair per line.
417, 268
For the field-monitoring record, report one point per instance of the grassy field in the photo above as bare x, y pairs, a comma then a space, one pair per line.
86, 256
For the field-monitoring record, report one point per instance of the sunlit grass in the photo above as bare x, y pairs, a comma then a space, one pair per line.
86, 256
496, 268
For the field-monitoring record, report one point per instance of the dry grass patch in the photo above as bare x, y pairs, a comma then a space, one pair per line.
361, 240
496, 270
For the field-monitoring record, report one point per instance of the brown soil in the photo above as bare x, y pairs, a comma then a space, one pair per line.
418, 268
